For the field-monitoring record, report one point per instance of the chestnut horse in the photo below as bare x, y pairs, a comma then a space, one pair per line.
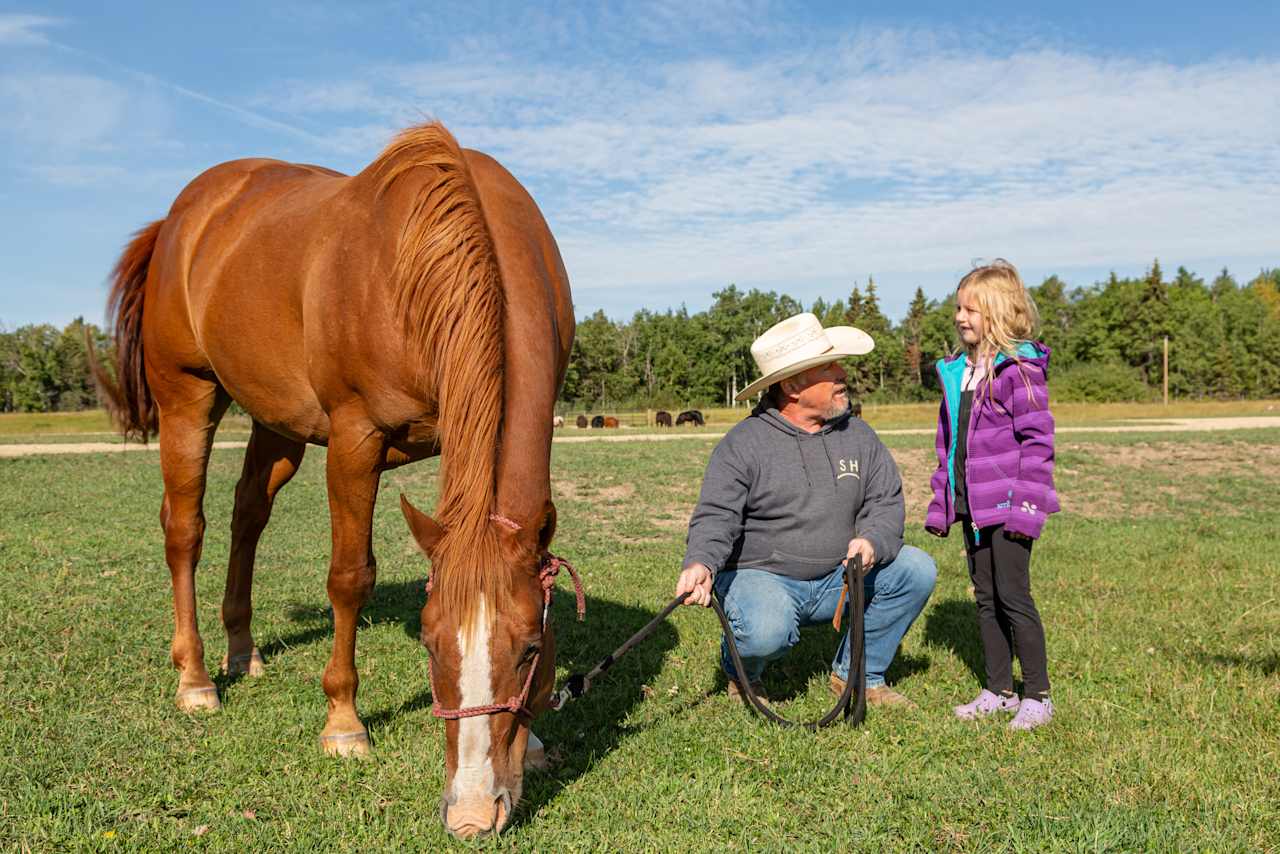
417, 308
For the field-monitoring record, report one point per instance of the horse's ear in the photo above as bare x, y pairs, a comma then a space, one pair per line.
548, 529
425, 529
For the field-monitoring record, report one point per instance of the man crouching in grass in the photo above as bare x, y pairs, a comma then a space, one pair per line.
790, 493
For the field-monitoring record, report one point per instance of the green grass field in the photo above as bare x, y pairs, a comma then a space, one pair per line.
94, 425
1160, 588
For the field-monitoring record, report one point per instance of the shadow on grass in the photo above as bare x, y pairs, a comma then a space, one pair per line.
1267, 665
391, 602
789, 676
953, 624
588, 729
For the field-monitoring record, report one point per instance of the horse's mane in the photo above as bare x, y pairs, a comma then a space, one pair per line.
449, 296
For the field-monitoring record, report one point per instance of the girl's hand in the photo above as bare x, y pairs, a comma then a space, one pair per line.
1015, 535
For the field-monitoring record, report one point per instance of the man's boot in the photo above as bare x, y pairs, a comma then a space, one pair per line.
880, 695
735, 692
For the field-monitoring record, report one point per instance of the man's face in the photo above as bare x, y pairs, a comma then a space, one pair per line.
822, 390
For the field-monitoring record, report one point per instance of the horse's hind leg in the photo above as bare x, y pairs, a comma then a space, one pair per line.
190, 409
269, 462
355, 454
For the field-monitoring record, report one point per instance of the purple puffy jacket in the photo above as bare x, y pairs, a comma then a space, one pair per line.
1009, 468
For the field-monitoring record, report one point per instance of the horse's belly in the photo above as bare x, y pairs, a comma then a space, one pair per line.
257, 353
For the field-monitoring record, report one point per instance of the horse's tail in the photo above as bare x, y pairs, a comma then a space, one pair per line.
128, 397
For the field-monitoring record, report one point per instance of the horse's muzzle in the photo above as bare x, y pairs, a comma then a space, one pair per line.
468, 818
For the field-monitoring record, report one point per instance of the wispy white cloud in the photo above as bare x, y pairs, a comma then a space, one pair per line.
79, 176
665, 164
885, 151
19, 29
84, 176
61, 110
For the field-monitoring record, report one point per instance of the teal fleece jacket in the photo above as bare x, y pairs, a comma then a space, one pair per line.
777, 498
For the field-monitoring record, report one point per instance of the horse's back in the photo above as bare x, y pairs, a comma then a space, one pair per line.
277, 278
234, 259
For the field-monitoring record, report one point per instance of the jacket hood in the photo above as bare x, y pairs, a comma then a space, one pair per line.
1036, 352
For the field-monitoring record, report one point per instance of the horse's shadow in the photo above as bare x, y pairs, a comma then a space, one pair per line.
587, 729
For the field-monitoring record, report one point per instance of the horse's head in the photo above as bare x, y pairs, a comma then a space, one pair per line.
492, 659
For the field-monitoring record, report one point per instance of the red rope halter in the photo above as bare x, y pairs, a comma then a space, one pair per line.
548, 569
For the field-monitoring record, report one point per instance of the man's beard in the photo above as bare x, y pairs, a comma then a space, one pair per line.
839, 407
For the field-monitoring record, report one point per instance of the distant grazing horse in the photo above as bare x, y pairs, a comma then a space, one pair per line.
663, 418
581, 422
610, 421
856, 409
597, 422
690, 416
417, 308
558, 421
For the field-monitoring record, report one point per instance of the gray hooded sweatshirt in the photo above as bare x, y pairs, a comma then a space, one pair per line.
777, 498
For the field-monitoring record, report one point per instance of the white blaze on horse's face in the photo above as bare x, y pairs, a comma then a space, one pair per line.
471, 798
474, 805
475, 768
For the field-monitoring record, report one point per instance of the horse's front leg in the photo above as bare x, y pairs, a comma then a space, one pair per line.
355, 452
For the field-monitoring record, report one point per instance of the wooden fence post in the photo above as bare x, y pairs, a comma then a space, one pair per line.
1166, 370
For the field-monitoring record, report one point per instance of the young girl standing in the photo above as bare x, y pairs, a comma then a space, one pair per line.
995, 477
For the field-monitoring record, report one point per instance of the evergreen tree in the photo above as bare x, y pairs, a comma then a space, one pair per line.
863, 372
1151, 323
1055, 318
913, 335
834, 315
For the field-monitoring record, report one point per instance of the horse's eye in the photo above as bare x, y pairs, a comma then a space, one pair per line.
530, 651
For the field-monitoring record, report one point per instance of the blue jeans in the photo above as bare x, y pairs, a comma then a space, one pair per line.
766, 611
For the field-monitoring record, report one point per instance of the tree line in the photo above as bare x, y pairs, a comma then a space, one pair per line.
46, 369
1107, 341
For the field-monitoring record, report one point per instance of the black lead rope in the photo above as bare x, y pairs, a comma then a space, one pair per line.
852, 705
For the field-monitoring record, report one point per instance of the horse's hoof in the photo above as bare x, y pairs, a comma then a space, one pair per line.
244, 664
346, 744
535, 755
198, 699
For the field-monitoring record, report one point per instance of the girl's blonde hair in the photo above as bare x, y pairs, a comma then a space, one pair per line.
1009, 315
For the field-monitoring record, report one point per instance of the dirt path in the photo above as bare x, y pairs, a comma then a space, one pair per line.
1167, 425
1163, 425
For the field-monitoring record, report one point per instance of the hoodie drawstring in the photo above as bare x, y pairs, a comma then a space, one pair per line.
826, 452
803, 465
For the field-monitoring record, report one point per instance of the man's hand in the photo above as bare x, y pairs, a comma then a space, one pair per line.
698, 579
863, 549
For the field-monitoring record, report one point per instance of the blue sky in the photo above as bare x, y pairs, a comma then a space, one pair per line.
674, 146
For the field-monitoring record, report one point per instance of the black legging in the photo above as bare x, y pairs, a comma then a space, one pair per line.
1007, 617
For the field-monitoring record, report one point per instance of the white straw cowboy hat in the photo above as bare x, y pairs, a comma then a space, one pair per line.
799, 343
